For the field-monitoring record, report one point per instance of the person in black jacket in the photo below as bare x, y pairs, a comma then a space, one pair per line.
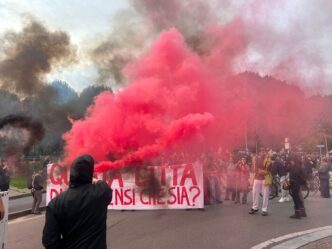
297, 178
76, 219
279, 168
36, 191
4, 176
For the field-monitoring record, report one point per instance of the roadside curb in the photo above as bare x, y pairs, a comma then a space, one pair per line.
323, 243
22, 195
303, 241
19, 196
296, 240
22, 213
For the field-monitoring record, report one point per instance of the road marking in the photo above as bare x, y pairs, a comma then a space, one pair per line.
289, 236
25, 218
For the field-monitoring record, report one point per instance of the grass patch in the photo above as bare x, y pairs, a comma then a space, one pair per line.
18, 182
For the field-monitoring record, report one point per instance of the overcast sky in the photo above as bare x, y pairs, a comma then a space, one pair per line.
81, 19
281, 30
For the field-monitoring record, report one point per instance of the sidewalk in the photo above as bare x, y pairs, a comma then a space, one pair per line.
20, 202
325, 243
15, 193
316, 238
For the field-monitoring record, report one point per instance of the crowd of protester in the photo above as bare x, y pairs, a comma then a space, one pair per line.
227, 177
230, 176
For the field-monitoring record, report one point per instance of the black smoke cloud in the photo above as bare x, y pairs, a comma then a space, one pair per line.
56, 115
134, 29
189, 17
126, 41
30, 54
14, 140
48, 106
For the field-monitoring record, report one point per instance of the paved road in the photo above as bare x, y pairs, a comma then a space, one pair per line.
221, 226
23, 203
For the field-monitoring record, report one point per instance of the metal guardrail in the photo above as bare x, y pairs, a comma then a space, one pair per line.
4, 221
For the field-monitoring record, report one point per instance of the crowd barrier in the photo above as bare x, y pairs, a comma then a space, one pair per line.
4, 221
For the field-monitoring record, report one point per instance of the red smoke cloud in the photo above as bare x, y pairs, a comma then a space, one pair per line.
277, 110
174, 97
185, 100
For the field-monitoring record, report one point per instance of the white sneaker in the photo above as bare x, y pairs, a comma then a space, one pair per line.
282, 199
287, 199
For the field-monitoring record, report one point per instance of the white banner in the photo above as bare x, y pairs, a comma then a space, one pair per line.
152, 187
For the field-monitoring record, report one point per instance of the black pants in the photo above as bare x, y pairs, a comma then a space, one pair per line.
295, 190
325, 188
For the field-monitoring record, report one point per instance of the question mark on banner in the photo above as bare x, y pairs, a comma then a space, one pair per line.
196, 195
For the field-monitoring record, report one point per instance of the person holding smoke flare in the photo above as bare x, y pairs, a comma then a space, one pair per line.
76, 219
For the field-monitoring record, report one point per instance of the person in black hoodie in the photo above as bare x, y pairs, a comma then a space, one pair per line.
76, 219
297, 178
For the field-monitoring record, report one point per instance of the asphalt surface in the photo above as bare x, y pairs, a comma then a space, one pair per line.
23, 203
226, 225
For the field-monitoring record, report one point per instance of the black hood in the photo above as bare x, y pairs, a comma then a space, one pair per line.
81, 171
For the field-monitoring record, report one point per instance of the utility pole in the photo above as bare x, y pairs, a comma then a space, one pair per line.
246, 139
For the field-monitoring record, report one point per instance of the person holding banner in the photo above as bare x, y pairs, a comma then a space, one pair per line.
76, 218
